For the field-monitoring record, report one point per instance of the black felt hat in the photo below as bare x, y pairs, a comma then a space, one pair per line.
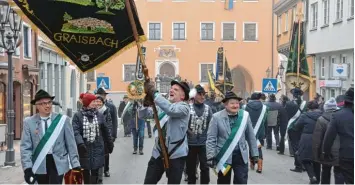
296, 92
200, 89
231, 95
184, 86
41, 94
349, 95
101, 91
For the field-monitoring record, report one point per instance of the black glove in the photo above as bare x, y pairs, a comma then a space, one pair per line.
77, 168
113, 139
83, 152
211, 163
30, 178
255, 159
110, 147
149, 88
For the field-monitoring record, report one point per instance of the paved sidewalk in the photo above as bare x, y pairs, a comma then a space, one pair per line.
11, 175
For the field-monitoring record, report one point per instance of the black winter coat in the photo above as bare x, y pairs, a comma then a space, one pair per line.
306, 124
317, 141
254, 109
113, 112
108, 120
96, 152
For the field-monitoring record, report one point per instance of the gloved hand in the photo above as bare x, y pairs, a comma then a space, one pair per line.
30, 178
149, 88
77, 168
147, 101
255, 159
83, 152
110, 147
211, 163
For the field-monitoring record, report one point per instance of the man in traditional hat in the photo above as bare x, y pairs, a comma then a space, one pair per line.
258, 116
121, 108
47, 141
113, 112
342, 124
174, 116
228, 134
200, 116
294, 110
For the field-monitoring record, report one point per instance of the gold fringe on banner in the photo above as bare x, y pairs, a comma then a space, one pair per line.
14, 6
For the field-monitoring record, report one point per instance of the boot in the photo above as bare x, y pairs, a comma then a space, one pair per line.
260, 166
141, 152
94, 180
252, 165
107, 174
313, 180
135, 151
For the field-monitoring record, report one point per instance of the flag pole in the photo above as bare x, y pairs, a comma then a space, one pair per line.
299, 48
147, 79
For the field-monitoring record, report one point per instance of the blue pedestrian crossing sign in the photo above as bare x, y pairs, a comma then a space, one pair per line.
269, 85
104, 82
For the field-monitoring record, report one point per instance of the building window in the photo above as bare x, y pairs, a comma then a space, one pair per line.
250, 32
279, 25
323, 93
325, 12
339, 10
351, 8
286, 21
333, 60
26, 42
91, 76
207, 31
343, 59
322, 73
155, 31
314, 68
314, 22
332, 93
179, 31
228, 32
129, 71
204, 71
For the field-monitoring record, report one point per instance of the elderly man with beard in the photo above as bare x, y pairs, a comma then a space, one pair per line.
228, 134
200, 116
174, 116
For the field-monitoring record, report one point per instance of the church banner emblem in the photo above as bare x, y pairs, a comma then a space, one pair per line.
88, 32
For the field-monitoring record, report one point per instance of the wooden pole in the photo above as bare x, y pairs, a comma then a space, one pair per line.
298, 53
147, 79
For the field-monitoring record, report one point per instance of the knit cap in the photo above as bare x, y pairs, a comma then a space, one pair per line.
88, 98
331, 104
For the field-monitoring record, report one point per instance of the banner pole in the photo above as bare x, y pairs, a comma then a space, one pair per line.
147, 79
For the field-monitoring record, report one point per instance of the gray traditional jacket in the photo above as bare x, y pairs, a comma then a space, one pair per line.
218, 133
176, 126
65, 145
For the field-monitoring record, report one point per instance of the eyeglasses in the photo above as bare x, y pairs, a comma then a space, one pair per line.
45, 103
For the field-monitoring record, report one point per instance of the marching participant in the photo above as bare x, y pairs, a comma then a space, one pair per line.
47, 141
226, 145
258, 114
200, 116
174, 118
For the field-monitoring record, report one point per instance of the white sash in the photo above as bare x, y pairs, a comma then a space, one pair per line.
258, 123
49, 144
221, 163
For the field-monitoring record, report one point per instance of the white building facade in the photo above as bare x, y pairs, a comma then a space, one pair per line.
59, 78
330, 41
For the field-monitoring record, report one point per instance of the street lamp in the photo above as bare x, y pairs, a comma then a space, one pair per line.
281, 70
10, 30
268, 71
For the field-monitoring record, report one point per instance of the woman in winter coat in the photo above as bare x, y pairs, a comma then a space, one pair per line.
306, 123
91, 131
103, 109
318, 135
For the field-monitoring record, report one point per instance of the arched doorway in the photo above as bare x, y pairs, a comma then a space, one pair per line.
165, 76
243, 82
18, 109
167, 69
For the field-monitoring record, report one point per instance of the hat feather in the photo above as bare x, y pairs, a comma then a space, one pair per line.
192, 93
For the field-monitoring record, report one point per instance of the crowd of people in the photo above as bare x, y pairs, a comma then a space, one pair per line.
200, 130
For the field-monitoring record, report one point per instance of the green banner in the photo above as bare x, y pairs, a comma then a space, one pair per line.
292, 64
88, 32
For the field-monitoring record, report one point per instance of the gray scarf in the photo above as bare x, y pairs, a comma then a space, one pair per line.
102, 109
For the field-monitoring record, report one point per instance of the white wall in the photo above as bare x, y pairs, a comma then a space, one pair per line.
339, 36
